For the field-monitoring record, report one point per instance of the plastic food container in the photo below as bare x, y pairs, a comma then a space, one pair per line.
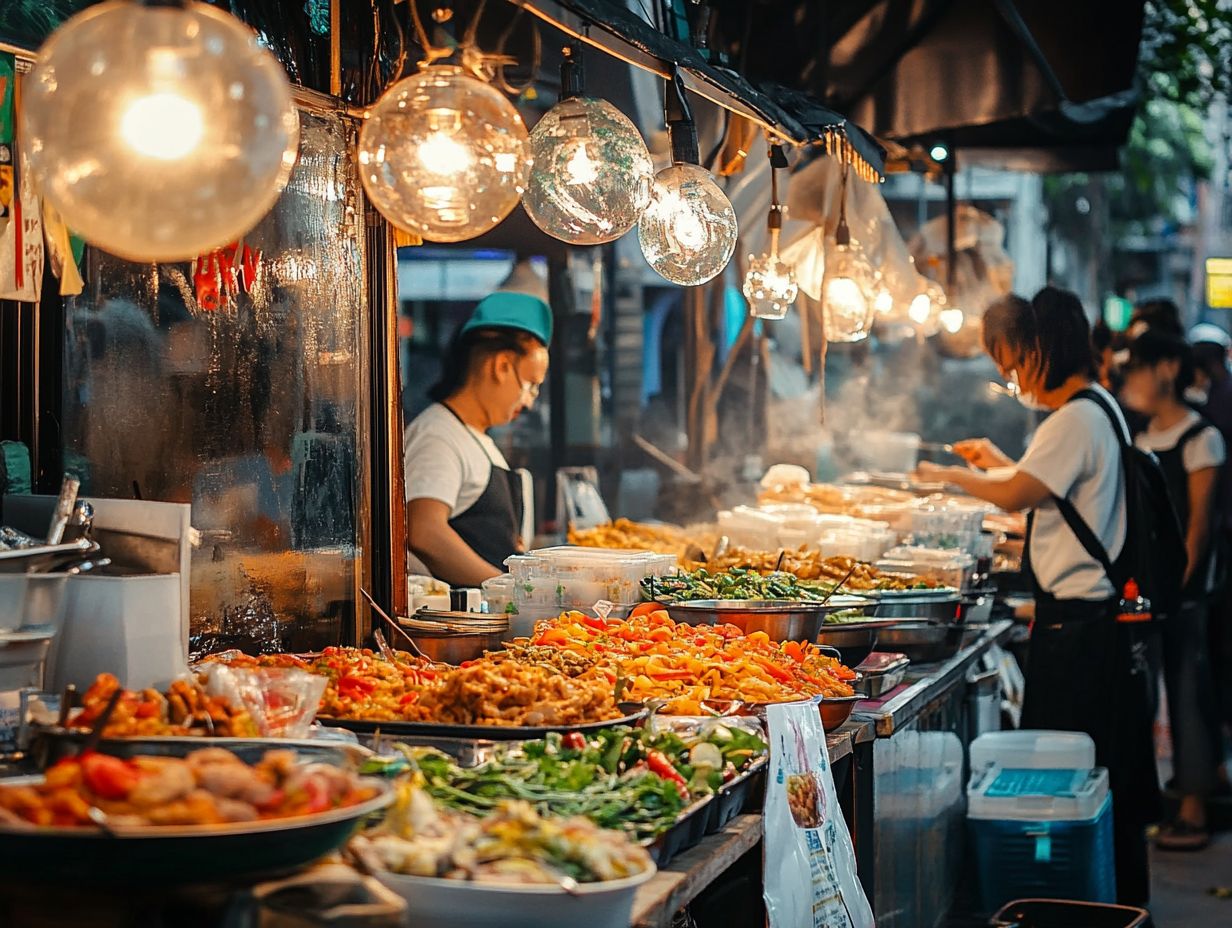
889, 452
498, 593
446, 903
568, 577
951, 567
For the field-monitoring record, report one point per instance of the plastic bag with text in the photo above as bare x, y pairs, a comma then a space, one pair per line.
810, 864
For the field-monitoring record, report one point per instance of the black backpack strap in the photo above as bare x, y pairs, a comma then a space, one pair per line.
1193, 432
1114, 418
1086, 537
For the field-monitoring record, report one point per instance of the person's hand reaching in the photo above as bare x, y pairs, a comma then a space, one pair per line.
981, 453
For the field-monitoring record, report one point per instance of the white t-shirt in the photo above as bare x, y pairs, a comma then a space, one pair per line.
1206, 449
446, 460
1076, 454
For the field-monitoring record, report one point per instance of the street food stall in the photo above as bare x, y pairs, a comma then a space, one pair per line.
766, 711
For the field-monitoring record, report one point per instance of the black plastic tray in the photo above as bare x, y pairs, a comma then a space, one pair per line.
486, 732
746, 793
688, 832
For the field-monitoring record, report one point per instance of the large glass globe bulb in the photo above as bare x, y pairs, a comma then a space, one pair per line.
158, 132
847, 294
443, 155
688, 232
591, 173
770, 287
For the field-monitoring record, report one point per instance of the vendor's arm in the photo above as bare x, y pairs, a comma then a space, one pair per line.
1016, 492
441, 549
1201, 505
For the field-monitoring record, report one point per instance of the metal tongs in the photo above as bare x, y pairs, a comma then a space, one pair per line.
392, 624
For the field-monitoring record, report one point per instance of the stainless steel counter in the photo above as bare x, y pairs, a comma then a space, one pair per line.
918, 780
924, 683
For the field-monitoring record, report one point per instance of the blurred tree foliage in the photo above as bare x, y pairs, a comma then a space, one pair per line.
1190, 41
1185, 67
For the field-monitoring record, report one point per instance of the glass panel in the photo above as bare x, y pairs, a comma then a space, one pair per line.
252, 412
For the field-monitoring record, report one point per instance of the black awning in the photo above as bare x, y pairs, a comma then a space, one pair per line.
612, 26
1022, 70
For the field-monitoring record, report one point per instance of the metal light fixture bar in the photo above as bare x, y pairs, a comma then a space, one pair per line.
616, 32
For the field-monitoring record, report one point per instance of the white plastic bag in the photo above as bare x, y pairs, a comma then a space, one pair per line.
810, 864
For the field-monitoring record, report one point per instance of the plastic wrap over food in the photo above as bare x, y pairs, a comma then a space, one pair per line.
281, 700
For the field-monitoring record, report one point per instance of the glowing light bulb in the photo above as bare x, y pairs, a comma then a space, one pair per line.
770, 287
158, 132
847, 304
921, 308
592, 173
165, 126
688, 232
443, 155
952, 319
581, 170
883, 303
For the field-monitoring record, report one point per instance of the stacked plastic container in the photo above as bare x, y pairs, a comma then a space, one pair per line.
550, 580
951, 567
1039, 814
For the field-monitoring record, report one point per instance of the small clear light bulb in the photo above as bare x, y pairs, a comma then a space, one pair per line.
158, 131
846, 290
443, 155
770, 282
952, 319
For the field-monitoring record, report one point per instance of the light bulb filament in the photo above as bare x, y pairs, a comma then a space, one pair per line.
580, 168
442, 154
165, 126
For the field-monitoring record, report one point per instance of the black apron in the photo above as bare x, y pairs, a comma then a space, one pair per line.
1088, 672
493, 524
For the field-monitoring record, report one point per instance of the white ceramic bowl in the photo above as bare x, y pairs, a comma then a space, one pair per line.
445, 903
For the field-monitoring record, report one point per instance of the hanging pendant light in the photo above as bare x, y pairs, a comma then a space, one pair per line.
159, 130
591, 173
688, 232
926, 307
770, 282
848, 288
443, 154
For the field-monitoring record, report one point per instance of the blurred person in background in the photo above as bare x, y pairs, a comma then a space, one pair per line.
1191, 452
1079, 653
1161, 314
1212, 395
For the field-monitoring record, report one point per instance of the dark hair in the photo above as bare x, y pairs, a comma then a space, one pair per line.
1210, 357
1101, 336
1155, 346
1054, 324
1161, 314
469, 349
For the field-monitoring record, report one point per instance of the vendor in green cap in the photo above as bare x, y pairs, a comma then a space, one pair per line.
464, 505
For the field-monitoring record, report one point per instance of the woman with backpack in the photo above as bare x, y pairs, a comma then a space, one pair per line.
1086, 670
1191, 453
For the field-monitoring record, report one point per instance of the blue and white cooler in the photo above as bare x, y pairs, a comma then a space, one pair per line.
1039, 814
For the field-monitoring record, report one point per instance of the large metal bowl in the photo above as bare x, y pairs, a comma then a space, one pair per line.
854, 642
780, 619
922, 642
935, 606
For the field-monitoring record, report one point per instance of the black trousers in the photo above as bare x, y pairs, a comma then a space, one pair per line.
1086, 672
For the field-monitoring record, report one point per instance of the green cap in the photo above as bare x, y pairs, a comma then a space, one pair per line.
504, 309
